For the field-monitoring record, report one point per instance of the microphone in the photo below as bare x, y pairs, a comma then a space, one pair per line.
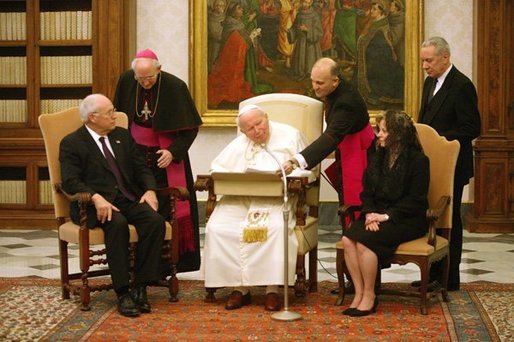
284, 179
285, 314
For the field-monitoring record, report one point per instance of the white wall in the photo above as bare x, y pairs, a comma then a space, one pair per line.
162, 25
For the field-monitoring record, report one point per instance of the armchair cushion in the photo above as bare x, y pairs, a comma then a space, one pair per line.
69, 232
421, 247
307, 235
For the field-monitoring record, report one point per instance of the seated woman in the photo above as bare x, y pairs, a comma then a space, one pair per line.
394, 204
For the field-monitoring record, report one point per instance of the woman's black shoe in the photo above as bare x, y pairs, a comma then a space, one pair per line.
349, 311
361, 313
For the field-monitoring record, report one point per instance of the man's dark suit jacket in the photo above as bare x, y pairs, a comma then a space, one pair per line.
453, 113
85, 169
346, 113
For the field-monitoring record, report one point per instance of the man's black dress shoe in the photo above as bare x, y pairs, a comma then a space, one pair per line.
127, 307
141, 299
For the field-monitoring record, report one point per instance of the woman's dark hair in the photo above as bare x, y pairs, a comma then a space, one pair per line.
402, 133
401, 141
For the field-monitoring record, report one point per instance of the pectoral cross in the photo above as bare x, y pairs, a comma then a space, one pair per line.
146, 111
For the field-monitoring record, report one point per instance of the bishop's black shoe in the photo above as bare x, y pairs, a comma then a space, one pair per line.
127, 307
141, 299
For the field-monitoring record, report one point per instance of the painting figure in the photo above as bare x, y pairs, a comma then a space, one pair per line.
214, 31
397, 27
269, 22
288, 9
363, 8
233, 77
379, 74
328, 14
306, 34
264, 46
345, 39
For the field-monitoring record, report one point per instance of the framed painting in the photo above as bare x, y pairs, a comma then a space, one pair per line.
243, 48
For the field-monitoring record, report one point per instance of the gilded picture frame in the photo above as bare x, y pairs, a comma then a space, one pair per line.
198, 66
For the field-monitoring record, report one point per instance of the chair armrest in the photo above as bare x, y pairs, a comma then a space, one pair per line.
179, 193
80, 197
83, 199
297, 186
203, 183
349, 211
174, 194
206, 183
433, 215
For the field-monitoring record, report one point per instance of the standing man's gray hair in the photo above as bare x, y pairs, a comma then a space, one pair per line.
441, 45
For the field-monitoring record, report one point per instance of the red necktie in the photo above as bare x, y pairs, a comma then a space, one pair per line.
116, 171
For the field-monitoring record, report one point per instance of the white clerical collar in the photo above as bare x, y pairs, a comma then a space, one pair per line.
96, 137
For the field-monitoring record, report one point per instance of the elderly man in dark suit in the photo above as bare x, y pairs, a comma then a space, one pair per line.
450, 105
102, 159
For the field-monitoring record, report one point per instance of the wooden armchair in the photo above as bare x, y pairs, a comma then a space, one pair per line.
435, 245
54, 128
305, 114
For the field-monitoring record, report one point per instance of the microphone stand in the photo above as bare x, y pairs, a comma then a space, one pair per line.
285, 314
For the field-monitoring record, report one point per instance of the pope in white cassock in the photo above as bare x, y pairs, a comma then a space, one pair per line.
244, 238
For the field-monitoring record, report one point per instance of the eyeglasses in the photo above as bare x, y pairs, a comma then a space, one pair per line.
145, 78
108, 113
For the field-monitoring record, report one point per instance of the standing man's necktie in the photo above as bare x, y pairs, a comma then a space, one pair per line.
116, 170
432, 89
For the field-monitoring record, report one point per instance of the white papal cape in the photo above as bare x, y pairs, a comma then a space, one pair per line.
228, 260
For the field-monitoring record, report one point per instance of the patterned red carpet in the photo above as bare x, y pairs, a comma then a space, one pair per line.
31, 309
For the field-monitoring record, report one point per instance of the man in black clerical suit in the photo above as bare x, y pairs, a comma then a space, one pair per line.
449, 104
164, 123
102, 159
348, 133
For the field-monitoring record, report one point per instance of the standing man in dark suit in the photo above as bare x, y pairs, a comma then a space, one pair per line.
348, 133
102, 159
449, 104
